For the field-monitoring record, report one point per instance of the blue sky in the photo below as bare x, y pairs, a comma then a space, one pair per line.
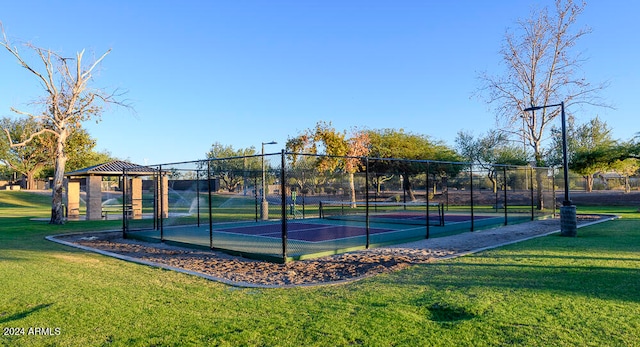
245, 72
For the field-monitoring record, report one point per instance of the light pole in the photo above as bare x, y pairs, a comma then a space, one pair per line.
264, 207
568, 222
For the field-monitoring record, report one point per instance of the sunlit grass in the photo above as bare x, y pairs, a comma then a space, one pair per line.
621, 211
551, 291
22, 203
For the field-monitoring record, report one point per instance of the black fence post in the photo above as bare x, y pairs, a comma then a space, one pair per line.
210, 211
155, 199
124, 202
283, 194
471, 185
496, 207
198, 195
553, 185
366, 198
255, 194
444, 182
426, 190
506, 204
532, 199
162, 205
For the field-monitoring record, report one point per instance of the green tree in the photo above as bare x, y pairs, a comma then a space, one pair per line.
492, 148
629, 149
81, 153
589, 163
626, 167
397, 144
30, 159
335, 150
593, 137
34, 159
5, 172
233, 166
634, 147
304, 176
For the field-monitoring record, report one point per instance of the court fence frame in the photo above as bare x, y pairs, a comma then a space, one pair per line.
508, 192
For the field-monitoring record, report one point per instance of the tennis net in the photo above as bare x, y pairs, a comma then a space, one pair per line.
414, 213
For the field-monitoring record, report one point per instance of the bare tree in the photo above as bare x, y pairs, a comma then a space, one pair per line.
69, 100
541, 69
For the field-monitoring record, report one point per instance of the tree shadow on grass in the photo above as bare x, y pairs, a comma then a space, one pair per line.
590, 281
603, 262
22, 314
447, 313
561, 257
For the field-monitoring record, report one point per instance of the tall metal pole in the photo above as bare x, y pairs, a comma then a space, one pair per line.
568, 221
565, 160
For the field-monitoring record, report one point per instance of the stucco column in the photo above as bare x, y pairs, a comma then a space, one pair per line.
136, 198
73, 198
94, 198
162, 192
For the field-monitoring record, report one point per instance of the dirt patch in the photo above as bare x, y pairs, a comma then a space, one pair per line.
325, 270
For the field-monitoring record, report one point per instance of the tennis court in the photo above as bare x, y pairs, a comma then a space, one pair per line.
310, 237
274, 207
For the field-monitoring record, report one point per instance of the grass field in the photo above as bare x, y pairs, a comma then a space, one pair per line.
550, 291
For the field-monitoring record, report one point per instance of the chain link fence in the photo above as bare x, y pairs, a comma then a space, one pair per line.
284, 206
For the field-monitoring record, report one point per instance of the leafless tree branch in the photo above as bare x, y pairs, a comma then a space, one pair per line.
69, 102
31, 137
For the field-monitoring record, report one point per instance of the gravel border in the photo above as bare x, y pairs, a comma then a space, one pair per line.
331, 270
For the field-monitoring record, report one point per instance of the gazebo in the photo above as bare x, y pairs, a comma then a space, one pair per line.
131, 179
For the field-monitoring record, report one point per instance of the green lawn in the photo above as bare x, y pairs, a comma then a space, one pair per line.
551, 291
